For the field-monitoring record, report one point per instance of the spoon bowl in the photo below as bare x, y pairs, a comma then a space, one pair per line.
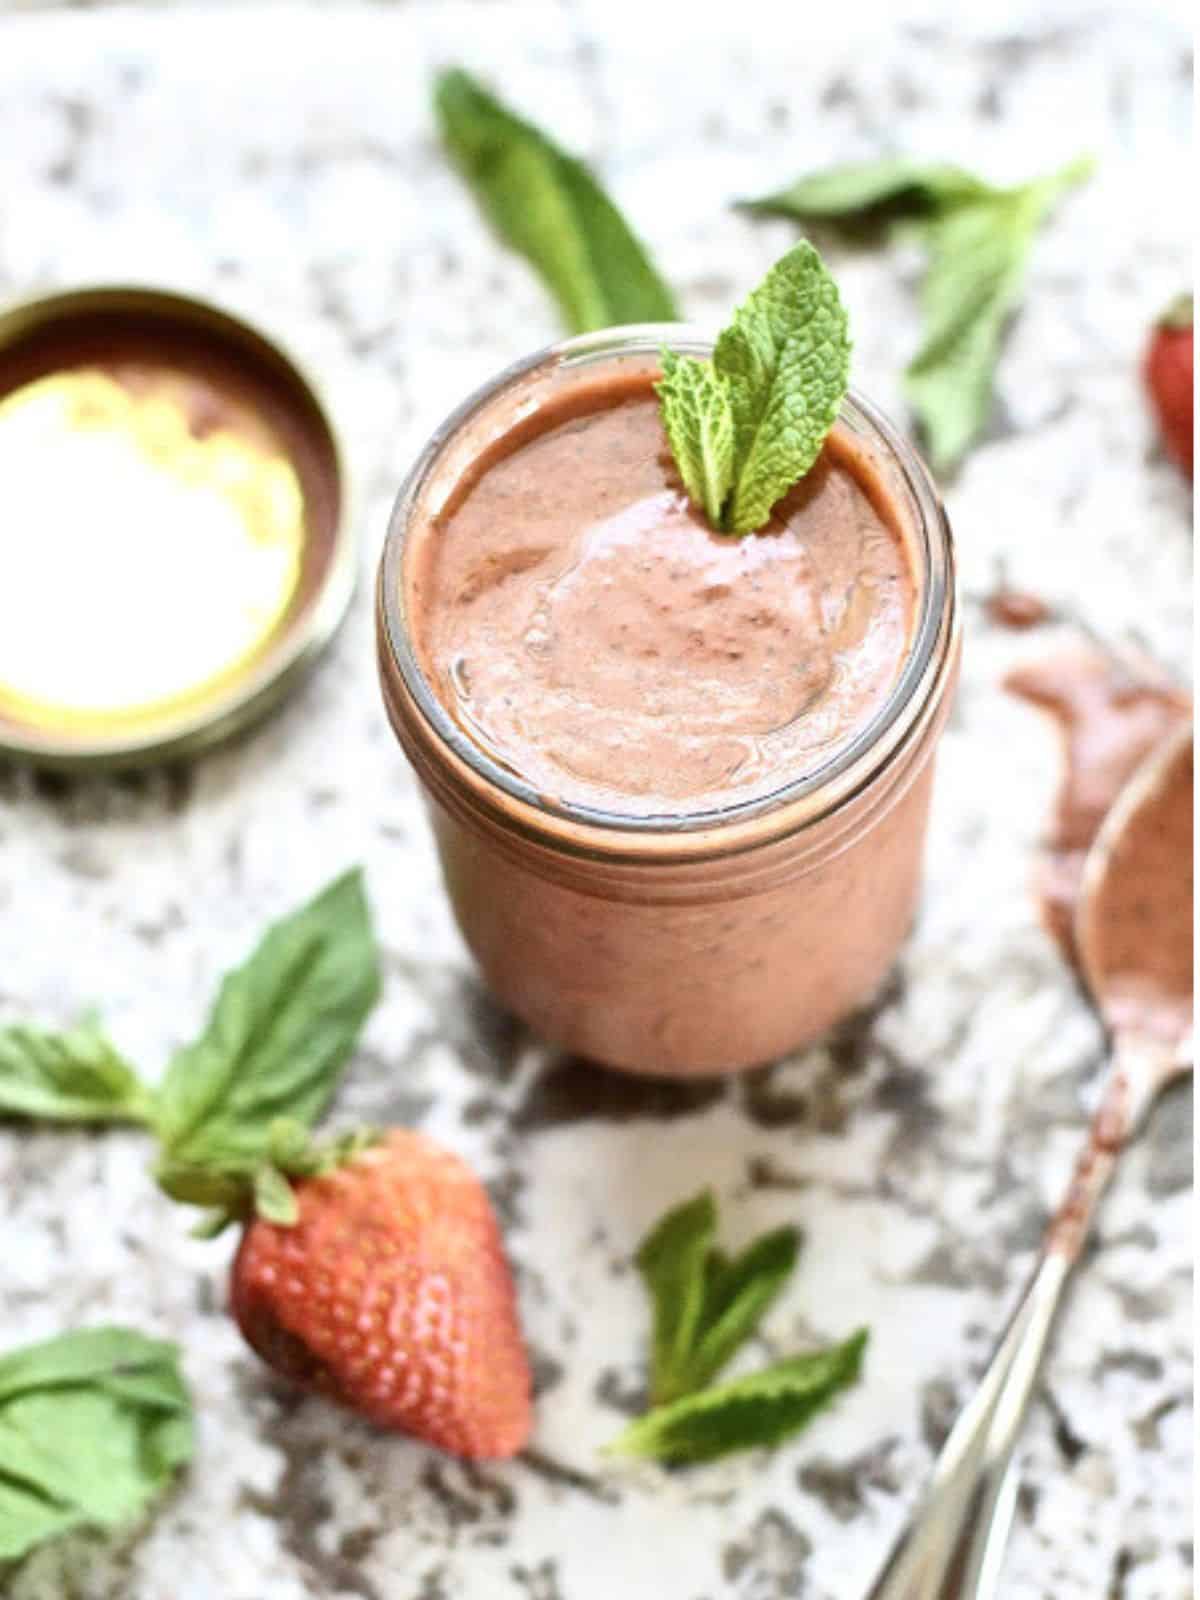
1133, 928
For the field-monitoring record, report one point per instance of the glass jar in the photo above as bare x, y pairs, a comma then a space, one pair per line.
706, 941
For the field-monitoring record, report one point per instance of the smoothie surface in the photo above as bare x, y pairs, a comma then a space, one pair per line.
579, 619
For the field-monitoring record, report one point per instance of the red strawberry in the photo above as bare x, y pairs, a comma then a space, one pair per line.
1167, 370
392, 1295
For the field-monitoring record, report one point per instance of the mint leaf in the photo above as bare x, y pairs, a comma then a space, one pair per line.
698, 419
737, 1294
546, 205
977, 238
673, 1261
93, 1426
762, 1409
76, 1076
705, 1305
854, 191
977, 260
785, 359
748, 426
277, 1038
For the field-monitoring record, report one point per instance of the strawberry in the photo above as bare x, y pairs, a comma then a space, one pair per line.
390, 1293
1167, 370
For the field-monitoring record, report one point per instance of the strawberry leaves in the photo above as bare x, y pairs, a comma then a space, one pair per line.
706, 1305
94, 1425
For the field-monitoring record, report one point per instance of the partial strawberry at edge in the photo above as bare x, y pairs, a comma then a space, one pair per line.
391, 1294
1168, 371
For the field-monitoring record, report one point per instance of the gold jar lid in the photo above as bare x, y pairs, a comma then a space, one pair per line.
174, 549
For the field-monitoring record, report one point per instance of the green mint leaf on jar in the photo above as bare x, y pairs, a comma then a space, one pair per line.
548, 206
978, 239
94, 1425
698, 419
747, 426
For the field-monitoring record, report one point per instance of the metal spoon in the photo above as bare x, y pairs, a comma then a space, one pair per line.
954, 1546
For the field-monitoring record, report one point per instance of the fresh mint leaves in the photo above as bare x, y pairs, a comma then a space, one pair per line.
748, 425
977, 238
737, 1294
93, 1426
705, 1306
862, 191
698, 418
673, 1261
547, 205
77, 1076
763, 1409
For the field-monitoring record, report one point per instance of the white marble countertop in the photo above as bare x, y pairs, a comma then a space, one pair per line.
280, 159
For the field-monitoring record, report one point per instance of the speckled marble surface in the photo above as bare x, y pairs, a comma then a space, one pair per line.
281, 160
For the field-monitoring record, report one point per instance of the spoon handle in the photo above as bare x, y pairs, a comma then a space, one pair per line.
954, 1546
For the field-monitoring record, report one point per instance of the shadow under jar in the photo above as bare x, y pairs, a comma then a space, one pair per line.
679, 782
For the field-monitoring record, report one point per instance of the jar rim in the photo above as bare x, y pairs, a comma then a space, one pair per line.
845, 773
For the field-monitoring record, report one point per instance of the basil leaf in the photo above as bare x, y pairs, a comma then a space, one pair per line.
698, 419
785, 359
853, 191
762, 1409
76, 1076
93, 1426
282, 1028
672, 1260
737, 1294
546, 205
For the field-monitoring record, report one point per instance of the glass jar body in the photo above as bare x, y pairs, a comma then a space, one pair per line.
694, 944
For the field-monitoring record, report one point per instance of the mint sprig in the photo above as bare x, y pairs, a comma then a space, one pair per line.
706, 1305
94, 1425
548, 206
977, 237
864, 191
738, 1291
757, 1411
745, 427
